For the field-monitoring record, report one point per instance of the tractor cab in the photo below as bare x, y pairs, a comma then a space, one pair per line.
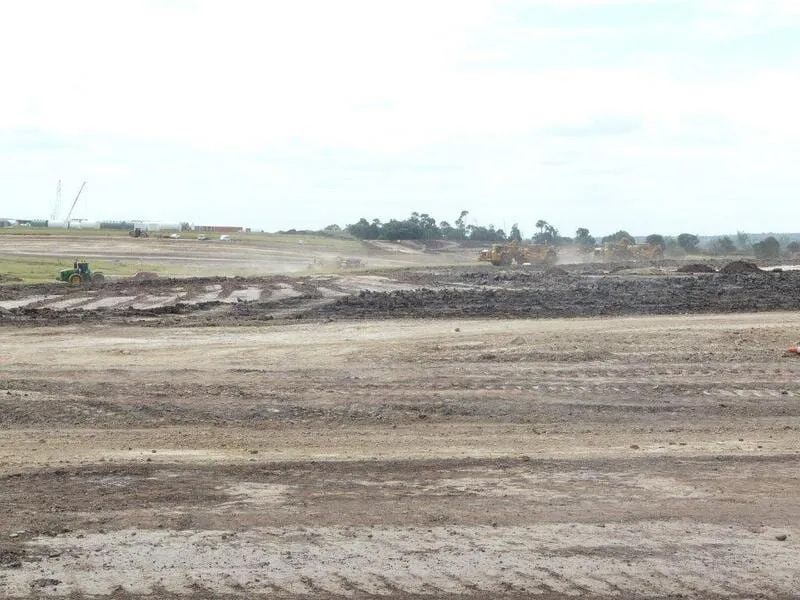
79, 274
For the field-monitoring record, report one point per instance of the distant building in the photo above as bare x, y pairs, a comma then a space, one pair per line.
153, 226
218, 229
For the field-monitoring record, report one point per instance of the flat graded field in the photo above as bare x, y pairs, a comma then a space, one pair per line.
624, 457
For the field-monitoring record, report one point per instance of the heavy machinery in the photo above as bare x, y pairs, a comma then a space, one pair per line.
514, 252
81, 274
627, 250
138, 232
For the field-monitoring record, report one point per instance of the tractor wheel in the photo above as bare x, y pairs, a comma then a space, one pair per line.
75, 279
98, 279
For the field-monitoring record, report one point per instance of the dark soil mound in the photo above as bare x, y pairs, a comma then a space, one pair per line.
740, 266
696, 268
556, 271
547, 297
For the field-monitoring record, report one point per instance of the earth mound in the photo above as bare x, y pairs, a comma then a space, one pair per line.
144, 276
740, 267
696, 268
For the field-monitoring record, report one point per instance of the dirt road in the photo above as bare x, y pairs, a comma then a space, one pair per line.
620, 457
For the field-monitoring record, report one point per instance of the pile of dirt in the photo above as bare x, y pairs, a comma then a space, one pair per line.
144, 276
576, 296
696, 268
740, 267
556, 272
9, 278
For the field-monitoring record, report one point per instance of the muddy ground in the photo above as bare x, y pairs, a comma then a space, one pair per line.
596, 431
580, 290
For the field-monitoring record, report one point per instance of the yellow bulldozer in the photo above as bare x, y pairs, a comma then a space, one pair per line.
628, 250
502, 255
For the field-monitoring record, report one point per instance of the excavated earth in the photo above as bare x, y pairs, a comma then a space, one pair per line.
396, 435
418, 293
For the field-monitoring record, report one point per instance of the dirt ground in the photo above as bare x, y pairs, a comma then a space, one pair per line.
244, 255
440, 292
643, 456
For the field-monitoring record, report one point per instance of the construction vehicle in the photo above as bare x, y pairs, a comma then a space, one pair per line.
138, 232
502, 255
626, 249
74, 202
81, 274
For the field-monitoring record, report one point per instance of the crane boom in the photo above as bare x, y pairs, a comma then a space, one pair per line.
74, 202
57, 205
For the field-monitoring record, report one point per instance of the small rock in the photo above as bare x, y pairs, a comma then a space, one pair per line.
457, 329
634, 446
781, 537
45, 582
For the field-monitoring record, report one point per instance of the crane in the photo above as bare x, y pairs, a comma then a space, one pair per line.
74, 202
57, 205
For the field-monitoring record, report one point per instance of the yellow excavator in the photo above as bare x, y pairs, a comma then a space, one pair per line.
501, 255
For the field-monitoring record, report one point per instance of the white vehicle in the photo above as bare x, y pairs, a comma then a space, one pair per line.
175, 236
202, 237
225, 238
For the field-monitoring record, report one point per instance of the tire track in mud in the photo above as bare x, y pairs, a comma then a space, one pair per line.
548, 559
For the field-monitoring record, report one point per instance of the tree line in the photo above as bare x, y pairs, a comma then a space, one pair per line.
422, 226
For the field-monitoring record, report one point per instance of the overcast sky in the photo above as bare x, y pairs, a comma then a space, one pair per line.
662, 115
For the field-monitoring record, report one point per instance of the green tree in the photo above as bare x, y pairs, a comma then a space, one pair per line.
515, 235
547, 233
688, 241
655, 239
620, 236
584, 239
364, 230
486, 234
742, 240
723, 245
768, 248
461, 226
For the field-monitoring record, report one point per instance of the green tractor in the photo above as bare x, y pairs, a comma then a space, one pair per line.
80, 273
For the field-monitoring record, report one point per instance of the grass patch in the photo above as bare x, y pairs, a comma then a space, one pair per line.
25, 269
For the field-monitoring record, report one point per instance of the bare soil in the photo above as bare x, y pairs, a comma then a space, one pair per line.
443, 292
630, 457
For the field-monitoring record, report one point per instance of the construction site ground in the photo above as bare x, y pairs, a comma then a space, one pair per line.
597, 431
